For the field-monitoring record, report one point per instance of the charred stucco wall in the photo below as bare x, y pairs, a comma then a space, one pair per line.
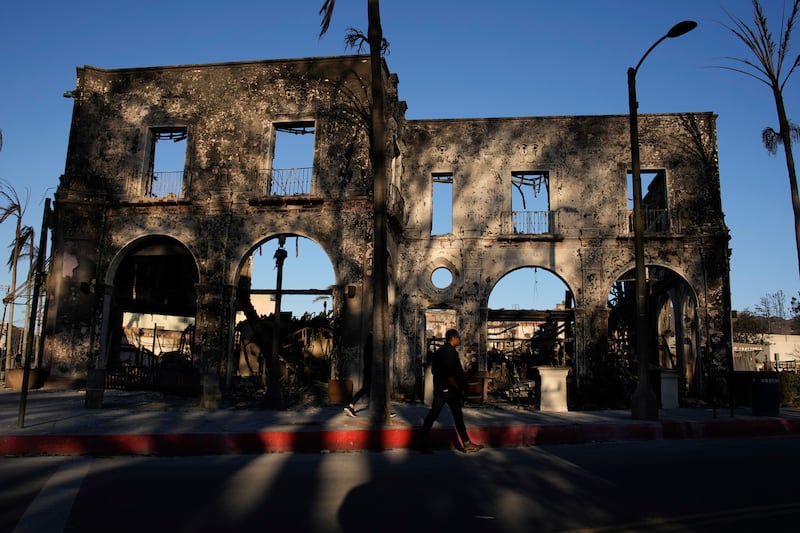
230, 111
589, 247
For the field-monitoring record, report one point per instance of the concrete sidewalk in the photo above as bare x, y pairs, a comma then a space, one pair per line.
146, 423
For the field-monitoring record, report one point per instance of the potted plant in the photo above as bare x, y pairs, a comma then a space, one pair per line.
340, 388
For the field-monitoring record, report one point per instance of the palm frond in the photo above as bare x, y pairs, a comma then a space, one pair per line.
771, 140
786, 32
22, 245
764, 78
13, 205
26, 245
327, 14
355, 39
794, 66
770, 58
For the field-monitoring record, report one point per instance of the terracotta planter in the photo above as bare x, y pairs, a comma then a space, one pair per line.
340, 390
35, 378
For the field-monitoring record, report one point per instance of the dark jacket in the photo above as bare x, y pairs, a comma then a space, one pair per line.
447, 370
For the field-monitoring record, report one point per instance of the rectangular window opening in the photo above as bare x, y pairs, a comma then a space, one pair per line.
292, 159
165, 173
442, 204
530, 202
654, 200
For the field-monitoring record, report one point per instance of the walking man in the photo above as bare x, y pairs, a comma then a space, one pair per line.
366, 383
449, 387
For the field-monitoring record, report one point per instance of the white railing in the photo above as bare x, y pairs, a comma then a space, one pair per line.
529, 222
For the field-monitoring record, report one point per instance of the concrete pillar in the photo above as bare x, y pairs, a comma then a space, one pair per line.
669, 389
552, 385
209, 339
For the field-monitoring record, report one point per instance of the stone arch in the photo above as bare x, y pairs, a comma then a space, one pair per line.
136, 245
672, 307
540, 332
244, 268
299, 337
151, 301
554, 279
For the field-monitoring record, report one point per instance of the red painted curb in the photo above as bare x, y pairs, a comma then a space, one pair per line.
380, 439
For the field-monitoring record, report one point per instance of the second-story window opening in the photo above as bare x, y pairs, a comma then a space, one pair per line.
442, 204
530, 202
293, 160
165, 176
655, 211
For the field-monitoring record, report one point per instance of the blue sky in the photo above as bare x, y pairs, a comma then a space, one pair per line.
454, 59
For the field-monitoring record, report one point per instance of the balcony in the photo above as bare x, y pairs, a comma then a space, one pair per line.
656, 222
157, 186
286, 181
530, 222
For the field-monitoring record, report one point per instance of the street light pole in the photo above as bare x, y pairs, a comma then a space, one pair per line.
644, 405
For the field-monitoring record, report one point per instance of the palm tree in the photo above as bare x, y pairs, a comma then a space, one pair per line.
379, 395
26, 248
16, 208
771, 67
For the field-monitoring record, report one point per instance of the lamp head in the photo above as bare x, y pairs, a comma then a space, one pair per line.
681, 28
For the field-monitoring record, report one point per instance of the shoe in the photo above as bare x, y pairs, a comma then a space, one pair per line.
425, 449
349, 411
472, 447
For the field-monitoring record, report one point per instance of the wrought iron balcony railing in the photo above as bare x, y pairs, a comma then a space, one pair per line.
656, 222
158, 186
286, 181
530, 222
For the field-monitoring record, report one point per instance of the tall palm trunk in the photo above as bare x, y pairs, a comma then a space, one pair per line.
13, 293
770, 61
379, 392
380, 362
786, 140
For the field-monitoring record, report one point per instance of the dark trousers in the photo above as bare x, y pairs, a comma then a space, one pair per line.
365, 387
453, 401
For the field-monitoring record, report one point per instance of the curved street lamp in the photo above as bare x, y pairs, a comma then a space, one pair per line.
644, 405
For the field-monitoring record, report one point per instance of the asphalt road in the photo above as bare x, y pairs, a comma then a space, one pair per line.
743, 484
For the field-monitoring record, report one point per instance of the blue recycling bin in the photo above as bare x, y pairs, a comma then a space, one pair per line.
766, 393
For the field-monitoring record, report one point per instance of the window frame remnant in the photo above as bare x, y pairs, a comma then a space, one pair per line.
655, 203
528, 185
161, 184
293, 180
442, 184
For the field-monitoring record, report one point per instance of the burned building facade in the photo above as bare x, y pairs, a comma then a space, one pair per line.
128, 239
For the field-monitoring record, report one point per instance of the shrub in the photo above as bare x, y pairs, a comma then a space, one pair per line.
789, 389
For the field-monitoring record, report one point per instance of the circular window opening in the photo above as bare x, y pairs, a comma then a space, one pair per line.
441, 278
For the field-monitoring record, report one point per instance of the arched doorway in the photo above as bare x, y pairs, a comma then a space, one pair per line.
674, 335
530, 323
285, 315
152, 314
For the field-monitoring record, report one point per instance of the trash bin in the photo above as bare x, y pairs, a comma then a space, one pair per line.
766, 393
